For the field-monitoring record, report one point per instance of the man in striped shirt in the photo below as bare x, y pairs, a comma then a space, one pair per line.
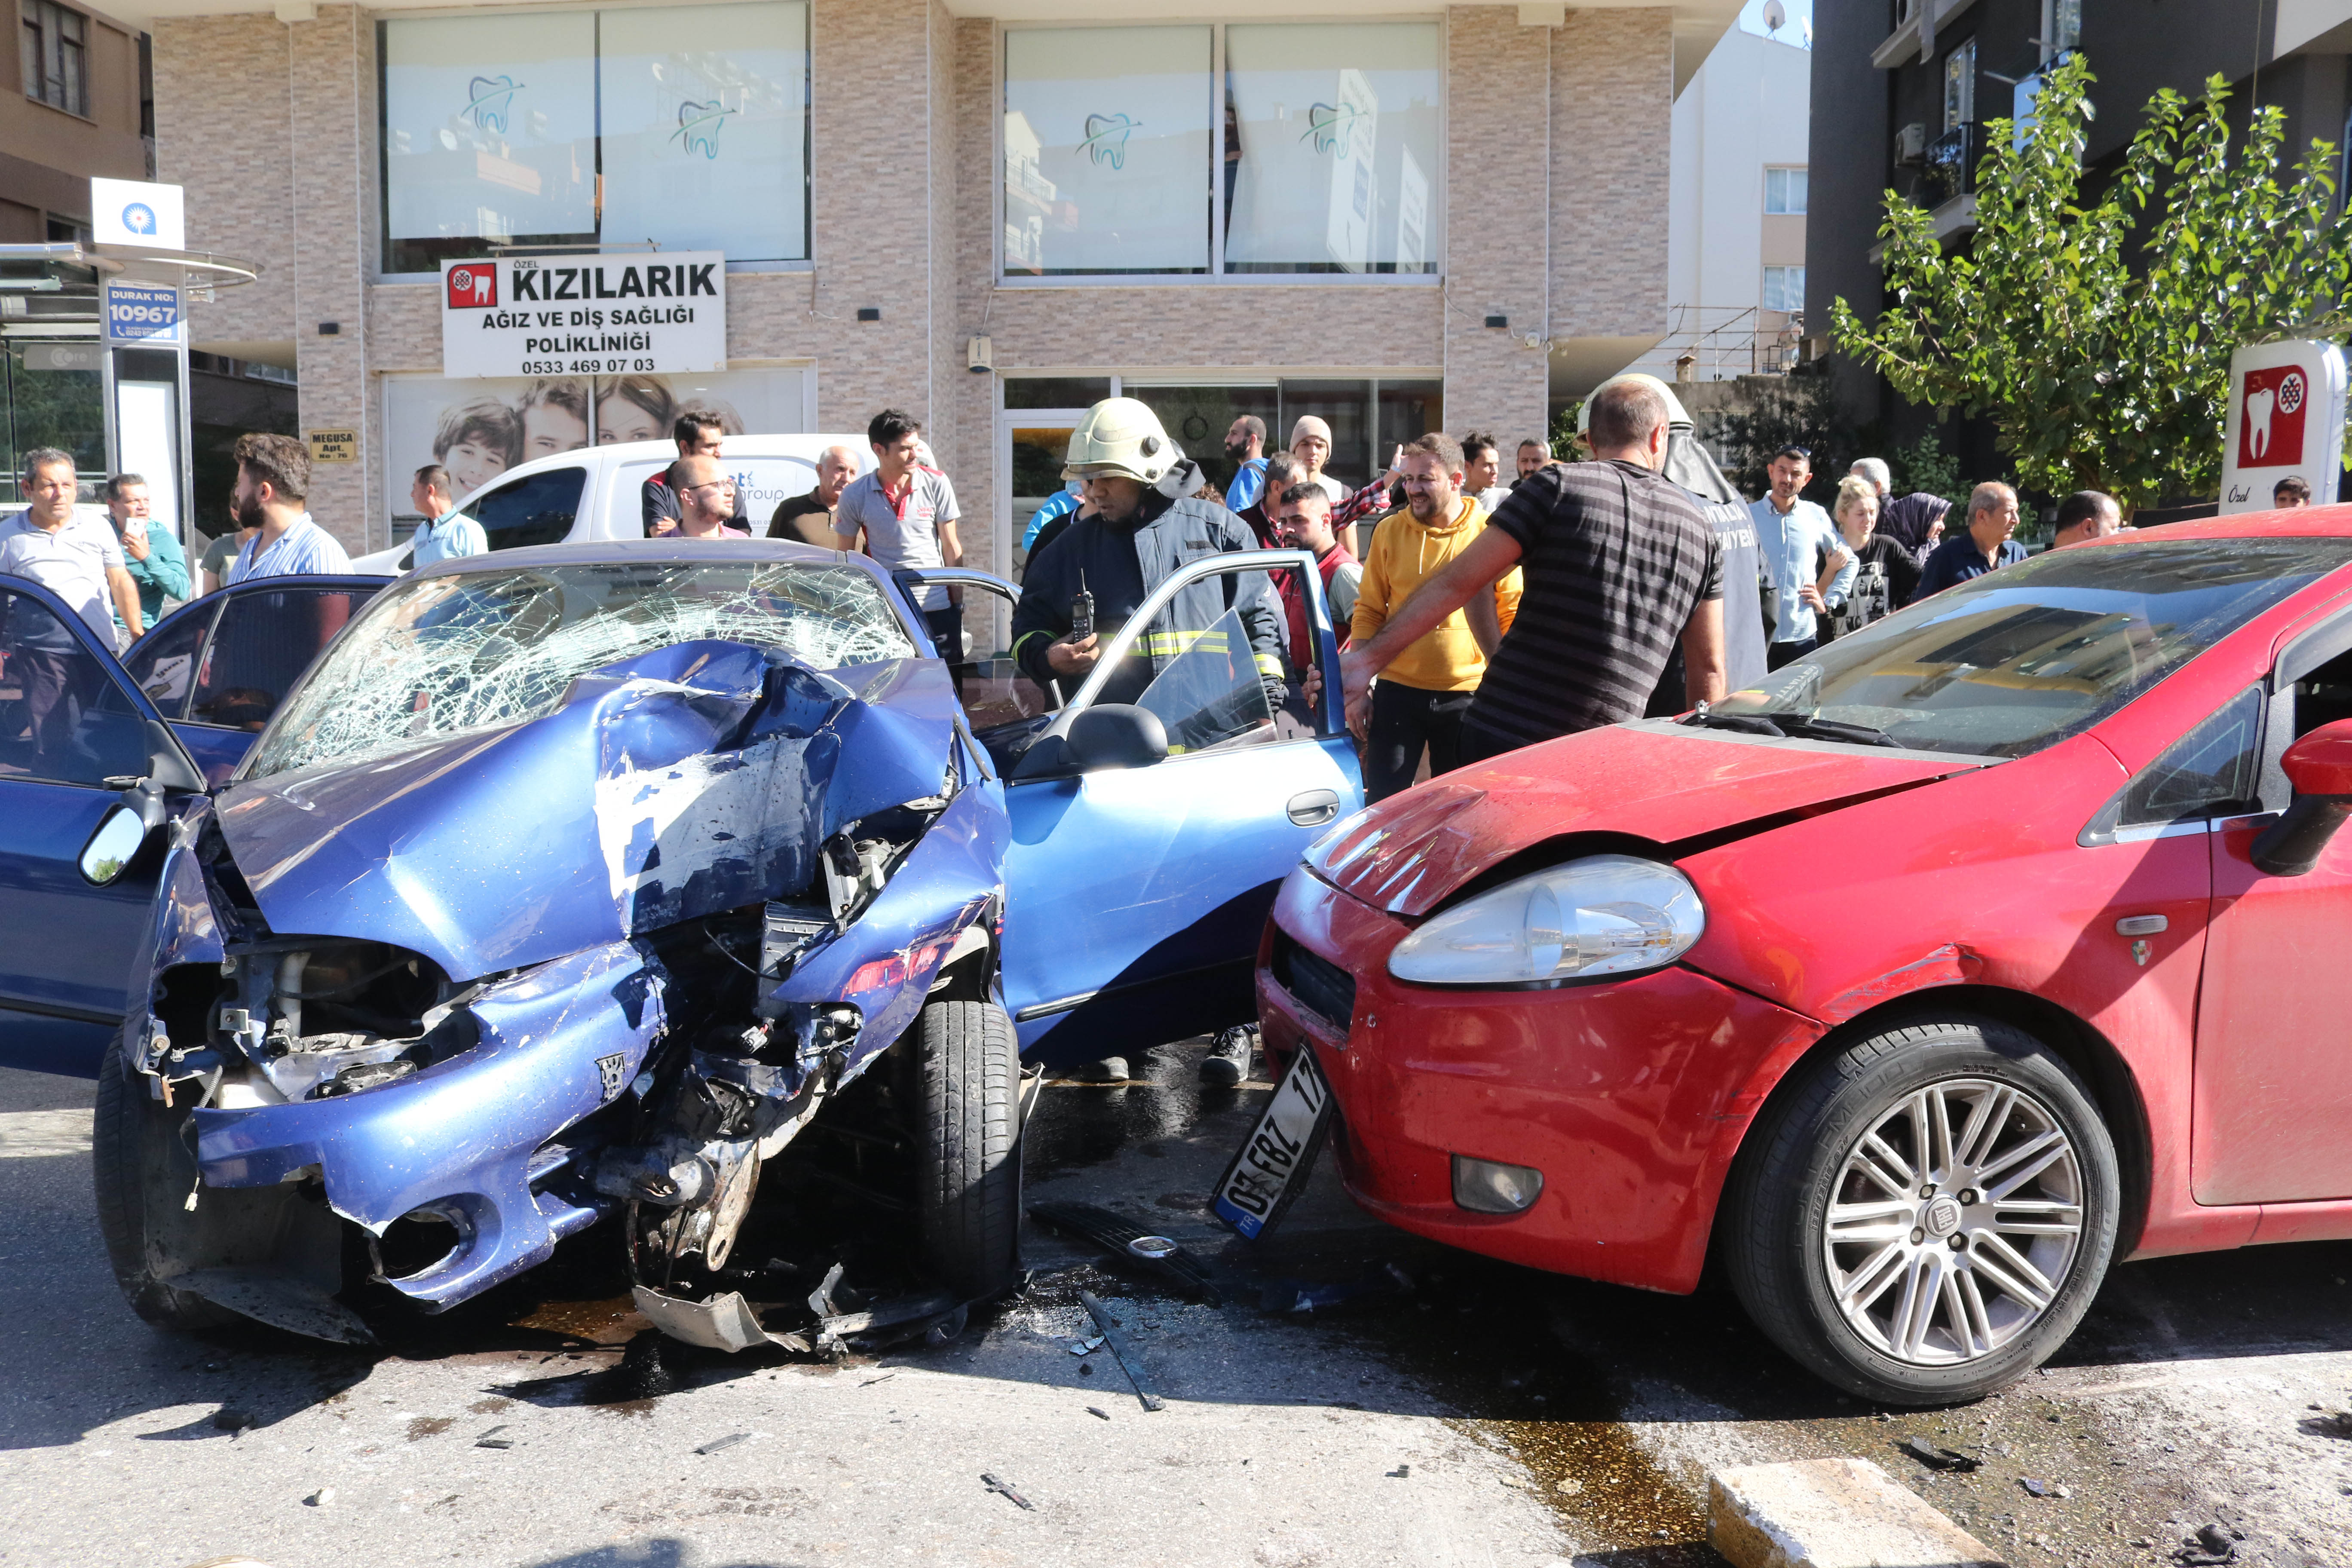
1619, 564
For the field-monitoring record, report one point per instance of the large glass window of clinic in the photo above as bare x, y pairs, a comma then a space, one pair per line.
685, 125
1245, 147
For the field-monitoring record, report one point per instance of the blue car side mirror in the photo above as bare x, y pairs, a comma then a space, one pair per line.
1117, 736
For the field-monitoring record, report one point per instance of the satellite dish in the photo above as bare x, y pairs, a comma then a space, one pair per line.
1776, 16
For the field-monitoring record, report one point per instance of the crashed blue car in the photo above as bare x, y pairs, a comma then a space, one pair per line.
573, 883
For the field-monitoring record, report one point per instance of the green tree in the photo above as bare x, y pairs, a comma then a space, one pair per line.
2094, 330
1777, 411
1925, 466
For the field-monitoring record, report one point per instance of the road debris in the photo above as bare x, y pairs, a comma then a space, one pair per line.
2045, 1488
1402, 1472
1131, 1360
495, 1438
2335, 1424
1296, 1296
1085, 1347
726, 1442
995, 1485
1118, 1237
320, 1498
1936, 1458
2210, 1547
1097, 1410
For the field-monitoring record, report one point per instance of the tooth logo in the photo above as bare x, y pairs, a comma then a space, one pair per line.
489, 100
698, 127
1106, 137
2270, 430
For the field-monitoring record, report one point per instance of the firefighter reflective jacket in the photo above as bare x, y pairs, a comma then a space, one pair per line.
1122, 565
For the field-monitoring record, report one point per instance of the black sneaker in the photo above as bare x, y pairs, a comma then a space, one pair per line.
1110, 1070
1228, 1062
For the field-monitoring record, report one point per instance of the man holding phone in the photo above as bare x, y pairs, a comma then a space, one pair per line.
154, 558
1426, 687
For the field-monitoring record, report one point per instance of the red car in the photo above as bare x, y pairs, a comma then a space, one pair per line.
1979, 949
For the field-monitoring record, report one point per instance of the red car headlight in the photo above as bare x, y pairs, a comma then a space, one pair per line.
1604, 914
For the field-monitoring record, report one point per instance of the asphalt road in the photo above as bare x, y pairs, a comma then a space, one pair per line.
1447, 1411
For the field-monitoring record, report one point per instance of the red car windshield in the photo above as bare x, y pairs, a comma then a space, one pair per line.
2018, 660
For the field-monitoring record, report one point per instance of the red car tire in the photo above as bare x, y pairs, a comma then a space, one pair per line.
1913, 1280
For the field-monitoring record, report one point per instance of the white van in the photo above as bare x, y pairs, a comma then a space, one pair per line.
597, 492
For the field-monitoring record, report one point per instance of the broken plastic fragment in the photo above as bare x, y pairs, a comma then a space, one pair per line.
1131, 1360
722, 1323
1936, 1458
1006, 1487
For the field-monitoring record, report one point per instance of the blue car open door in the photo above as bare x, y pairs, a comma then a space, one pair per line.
75, 730
217, 668
1136, 886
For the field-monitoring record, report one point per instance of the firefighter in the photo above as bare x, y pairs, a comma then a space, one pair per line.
1141, 524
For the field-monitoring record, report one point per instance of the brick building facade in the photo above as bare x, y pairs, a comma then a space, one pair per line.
1548, 212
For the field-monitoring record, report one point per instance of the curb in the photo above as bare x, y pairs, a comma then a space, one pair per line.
1831, 1513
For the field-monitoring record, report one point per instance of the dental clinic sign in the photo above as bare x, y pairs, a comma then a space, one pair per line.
584, 315
2286, 421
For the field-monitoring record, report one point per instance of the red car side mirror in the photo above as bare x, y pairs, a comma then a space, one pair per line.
2321, 763
2319, 767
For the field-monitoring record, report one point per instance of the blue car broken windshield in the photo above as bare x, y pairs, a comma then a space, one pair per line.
440, 654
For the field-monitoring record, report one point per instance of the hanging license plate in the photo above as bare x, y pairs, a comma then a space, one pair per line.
1270, 1170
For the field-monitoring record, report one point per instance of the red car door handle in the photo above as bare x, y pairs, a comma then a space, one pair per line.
2140, 925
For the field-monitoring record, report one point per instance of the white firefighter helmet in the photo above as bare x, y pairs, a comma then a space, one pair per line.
1675, 414
1120, 435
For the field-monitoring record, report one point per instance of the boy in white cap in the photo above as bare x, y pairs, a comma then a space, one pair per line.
1310, 443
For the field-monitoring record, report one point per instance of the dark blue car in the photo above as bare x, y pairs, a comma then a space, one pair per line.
575, 881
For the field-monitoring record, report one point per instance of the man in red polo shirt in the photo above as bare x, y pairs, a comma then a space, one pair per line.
909, 512
1301, 515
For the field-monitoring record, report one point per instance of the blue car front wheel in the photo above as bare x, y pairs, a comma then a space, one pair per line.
969, 1205
147, 1192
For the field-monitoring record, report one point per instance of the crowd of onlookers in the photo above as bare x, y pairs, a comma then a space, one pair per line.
1494, 609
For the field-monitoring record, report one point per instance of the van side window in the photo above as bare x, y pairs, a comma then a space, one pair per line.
536, 509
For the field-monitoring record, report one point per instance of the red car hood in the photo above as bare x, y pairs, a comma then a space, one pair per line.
1657, 781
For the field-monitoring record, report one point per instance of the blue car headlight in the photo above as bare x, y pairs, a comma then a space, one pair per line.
1604, 914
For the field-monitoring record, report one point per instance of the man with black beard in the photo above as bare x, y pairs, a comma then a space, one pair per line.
1246, 445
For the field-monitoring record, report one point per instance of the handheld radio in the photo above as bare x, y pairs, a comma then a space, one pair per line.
1082, 612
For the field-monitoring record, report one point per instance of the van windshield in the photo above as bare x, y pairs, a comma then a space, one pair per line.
2018, 660
435, 656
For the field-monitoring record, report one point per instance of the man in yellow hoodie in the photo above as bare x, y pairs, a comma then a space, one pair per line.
1424, 690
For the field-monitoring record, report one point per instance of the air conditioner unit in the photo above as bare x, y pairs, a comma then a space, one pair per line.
1910, 144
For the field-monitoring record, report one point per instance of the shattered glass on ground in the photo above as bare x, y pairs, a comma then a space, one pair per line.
436, 656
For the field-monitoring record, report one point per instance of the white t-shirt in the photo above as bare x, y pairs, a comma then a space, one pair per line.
907, 538
72, 562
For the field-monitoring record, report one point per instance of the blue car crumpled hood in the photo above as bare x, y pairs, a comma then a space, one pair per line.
679, 784
697, 778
